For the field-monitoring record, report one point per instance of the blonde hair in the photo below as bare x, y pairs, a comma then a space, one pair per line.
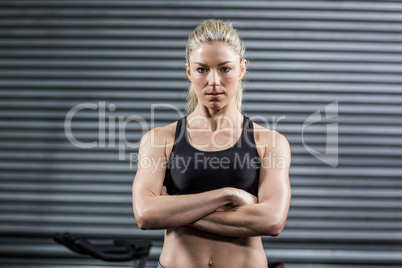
208, 32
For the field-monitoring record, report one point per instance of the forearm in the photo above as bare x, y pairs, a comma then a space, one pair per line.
243, 221
268, 216
163, 211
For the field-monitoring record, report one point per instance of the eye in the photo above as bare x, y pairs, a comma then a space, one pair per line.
201, 70
225, 69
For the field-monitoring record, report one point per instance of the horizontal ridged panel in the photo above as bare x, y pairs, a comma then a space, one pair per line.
303, 55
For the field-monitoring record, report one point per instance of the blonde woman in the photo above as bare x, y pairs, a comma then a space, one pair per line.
212, 185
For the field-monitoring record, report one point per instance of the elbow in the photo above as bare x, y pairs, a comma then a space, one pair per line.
276, 229
142, 223
144, 219
273, 228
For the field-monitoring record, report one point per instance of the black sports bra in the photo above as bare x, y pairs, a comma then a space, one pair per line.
190, 170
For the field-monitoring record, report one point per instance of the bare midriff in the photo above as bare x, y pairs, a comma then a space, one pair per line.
192, 248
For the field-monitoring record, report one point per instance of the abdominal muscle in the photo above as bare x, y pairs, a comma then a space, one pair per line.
192, 248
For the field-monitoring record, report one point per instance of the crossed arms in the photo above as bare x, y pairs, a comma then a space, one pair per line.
227, 211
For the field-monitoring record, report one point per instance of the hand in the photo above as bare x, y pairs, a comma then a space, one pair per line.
225, 208
164, 191
241, 197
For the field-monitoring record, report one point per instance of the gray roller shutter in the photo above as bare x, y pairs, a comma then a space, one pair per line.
303, 56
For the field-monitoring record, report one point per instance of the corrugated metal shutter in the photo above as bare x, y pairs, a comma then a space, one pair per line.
303, 56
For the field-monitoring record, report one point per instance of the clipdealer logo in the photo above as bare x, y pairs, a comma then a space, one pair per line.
111, 129
331, 155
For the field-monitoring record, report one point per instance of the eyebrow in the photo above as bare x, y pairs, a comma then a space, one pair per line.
222, 63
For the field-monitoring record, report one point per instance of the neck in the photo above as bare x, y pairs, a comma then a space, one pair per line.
215, 119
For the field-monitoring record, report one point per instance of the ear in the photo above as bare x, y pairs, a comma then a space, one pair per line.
188, 71
243, 68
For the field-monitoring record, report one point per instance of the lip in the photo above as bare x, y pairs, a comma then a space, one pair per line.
214, 95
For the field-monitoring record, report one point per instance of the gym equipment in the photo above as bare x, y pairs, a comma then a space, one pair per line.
119, 250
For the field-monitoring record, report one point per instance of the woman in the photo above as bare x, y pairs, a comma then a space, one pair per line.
208, 179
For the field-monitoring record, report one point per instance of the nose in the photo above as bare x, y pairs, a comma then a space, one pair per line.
213, 78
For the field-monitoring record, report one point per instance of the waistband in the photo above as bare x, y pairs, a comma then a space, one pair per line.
160, 266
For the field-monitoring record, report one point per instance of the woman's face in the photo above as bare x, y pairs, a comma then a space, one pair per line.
215, 70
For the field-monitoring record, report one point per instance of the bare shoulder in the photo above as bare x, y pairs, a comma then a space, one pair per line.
160, 138
271, 143
269, 139
168, 132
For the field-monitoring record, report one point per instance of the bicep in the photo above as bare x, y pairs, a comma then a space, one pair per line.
274, 187
151, 166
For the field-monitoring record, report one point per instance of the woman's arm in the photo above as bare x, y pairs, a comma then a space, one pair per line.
155, 211
269, 215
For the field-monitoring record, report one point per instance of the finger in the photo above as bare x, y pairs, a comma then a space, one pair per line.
255, 199
252, 199
164, 190
224, 208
